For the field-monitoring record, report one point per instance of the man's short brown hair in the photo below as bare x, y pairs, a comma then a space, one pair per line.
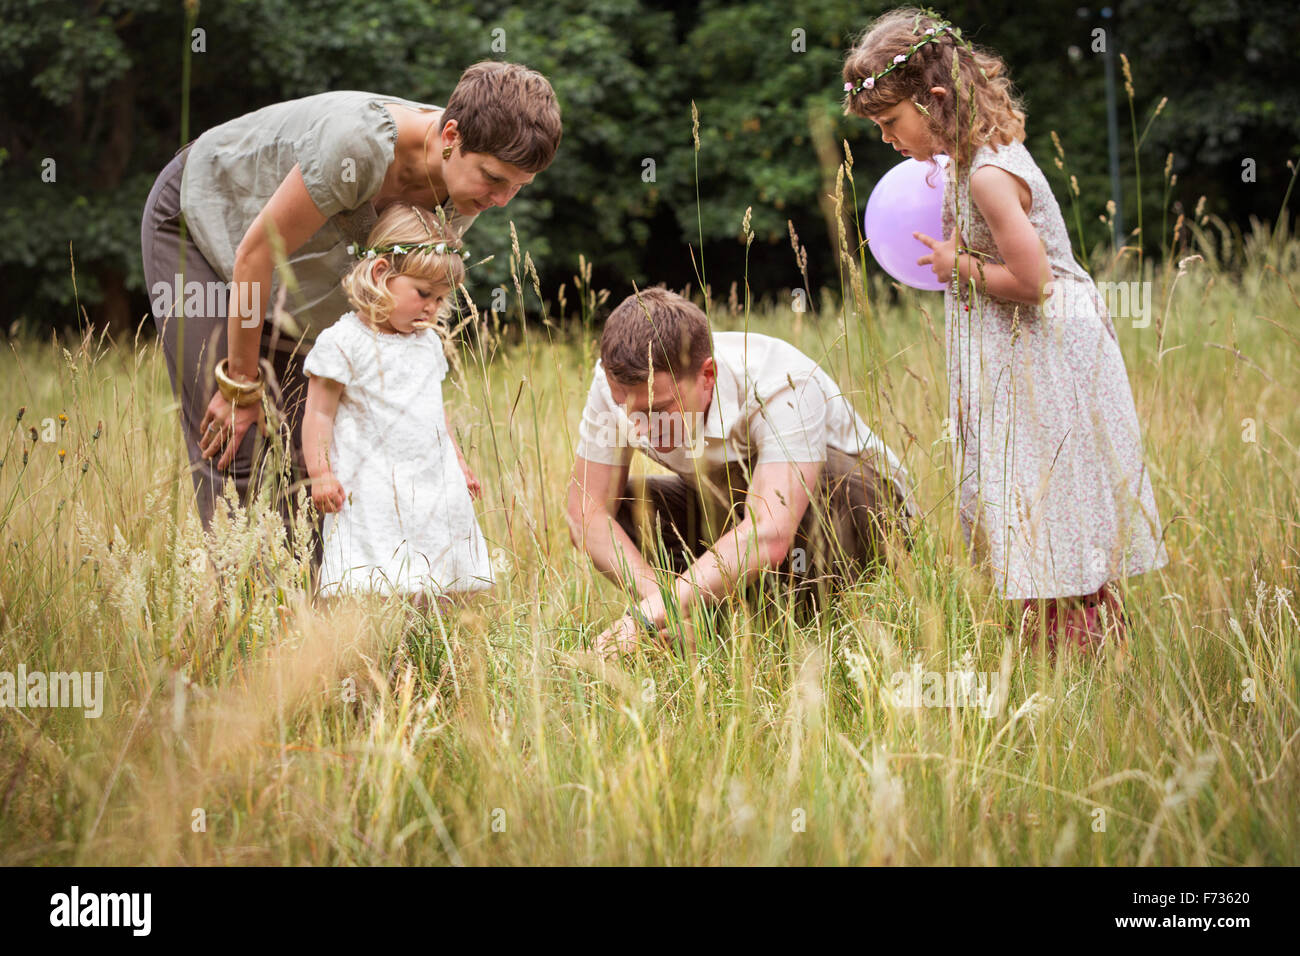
508, 111
656, 327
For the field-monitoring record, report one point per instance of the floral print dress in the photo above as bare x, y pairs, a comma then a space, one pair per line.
1054, 497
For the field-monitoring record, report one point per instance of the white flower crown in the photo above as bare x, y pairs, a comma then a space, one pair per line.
932, 35
441, 248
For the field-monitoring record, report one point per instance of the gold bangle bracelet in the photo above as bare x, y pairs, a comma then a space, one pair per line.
248, 398
238, 393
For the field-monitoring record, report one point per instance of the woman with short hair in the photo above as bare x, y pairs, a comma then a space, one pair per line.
302, 181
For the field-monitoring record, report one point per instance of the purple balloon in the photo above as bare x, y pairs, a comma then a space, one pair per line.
903, 203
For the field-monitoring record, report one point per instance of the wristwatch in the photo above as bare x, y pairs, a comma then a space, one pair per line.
642, 621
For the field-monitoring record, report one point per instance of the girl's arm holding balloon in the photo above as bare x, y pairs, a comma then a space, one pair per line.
1001, 200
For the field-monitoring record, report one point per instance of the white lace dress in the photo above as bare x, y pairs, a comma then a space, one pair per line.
1054, 495
408, 522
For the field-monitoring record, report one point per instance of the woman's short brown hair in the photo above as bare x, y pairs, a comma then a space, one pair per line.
656, 328
508, 111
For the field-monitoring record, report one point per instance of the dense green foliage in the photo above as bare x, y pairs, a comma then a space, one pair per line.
97, 88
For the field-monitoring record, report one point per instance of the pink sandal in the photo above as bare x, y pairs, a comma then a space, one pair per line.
1079, 622
1116, 616
1029, 622
1088, 628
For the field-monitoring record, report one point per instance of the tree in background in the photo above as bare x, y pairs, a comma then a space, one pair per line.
93, 110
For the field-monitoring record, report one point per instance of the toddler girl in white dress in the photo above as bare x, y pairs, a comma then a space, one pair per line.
385, 468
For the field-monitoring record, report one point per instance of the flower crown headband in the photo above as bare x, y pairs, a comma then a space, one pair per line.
441, 248
932, 35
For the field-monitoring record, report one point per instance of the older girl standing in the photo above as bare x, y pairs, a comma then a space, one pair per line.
1055, 497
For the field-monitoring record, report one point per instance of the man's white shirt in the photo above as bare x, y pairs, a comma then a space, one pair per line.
771, 403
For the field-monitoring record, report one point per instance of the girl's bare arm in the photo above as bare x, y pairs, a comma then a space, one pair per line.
317, 436
471, 480
1026, 271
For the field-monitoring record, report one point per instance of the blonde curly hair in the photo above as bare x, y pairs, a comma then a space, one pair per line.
983, 109
399, 224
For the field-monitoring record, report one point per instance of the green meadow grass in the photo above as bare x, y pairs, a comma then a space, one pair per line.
245, 725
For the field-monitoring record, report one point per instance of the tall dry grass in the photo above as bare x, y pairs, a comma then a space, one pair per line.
244, 724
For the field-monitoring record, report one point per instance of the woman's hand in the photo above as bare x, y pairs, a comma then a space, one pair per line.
941, 257
224, 426
327, 494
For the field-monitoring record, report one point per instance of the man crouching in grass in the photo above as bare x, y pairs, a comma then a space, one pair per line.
772, 469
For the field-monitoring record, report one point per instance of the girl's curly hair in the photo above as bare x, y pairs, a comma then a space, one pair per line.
398, 224
983, 109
